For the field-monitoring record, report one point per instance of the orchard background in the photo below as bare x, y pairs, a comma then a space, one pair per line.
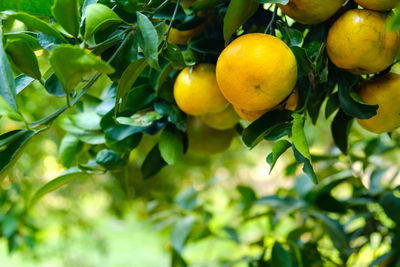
98, 168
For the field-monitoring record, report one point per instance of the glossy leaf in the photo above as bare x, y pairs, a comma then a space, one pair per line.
71, 64
53, 86
238, 12
64, 178
99, 17
260, 128
299, 137
70, 146
171, 145
307, 166
277, 150
148, 40
30, 37
340, 130
109, 159
153, 163
21, 82
127, 80
23, 57
66, 12
7, 84
38, 24
12, 150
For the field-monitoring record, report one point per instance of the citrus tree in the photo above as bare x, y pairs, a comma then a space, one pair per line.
193, 75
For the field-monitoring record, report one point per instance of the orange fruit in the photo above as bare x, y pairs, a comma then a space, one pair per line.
196, 91
182, 37
360, 42
378, 5
256, 72
311, 11
223, 120
384, 92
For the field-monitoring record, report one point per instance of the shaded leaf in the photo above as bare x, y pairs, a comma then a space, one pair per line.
180, 233
23, 57
153, 163
340, 130
22, 81
7, 83
280, 256
66, 12
171, 145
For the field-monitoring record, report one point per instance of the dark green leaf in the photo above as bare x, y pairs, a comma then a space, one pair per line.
66, 12
260, 128
109, 159
340, 130
307, 167
391, 205
53, 86
153, 163
148, 40
292, 36
172, 112
12, 150
127, 80
7, 84
238, 12
9, 225
280, 257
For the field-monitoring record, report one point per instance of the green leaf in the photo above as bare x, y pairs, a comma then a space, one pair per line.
171, 145
21, 82
238, 12
30, 37
280, 256
7, 84
71, 64
260, 128
153, 163
173, 54
340, 130
23, 57
109, 159
391, 206
64, 178
37, 24
187, 199
99, 17
277, 150
9, 225
70, 146
53, 86
303, 63
299, 137
172, 112
140, 119
292, 36
148, 40
307, 167
128, 78
35, 7
283, 2
66, 13
180, 233
12, 150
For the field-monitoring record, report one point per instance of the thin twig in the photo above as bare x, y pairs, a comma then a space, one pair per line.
155, 11
272, 19
170, 25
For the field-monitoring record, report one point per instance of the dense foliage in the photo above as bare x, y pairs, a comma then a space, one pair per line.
101, 73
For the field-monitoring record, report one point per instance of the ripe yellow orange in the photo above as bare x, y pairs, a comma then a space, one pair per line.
384, 92
249, 115
378, 5
256, 72
196, 90
223, 120
311, 11
206, 140
182, 37
360, 42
